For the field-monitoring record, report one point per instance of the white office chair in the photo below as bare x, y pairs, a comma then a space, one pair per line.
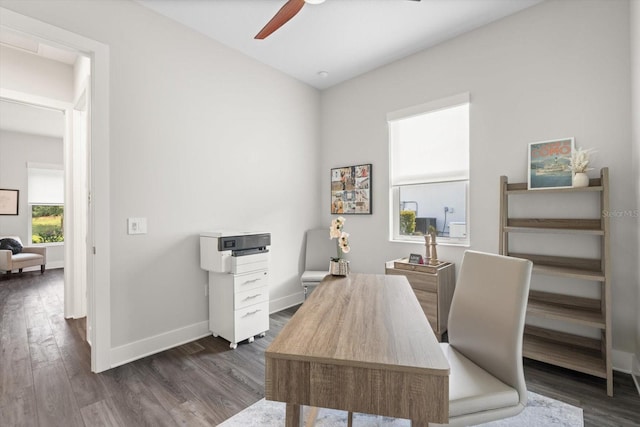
319, 250
486, 324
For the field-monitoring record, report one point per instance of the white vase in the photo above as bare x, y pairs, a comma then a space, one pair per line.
339, 267
580, 179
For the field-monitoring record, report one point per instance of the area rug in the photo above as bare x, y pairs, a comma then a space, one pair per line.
540, 411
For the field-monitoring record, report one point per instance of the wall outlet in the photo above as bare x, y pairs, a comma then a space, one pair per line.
450, 210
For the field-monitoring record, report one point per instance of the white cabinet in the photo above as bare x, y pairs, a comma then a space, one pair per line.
239, 305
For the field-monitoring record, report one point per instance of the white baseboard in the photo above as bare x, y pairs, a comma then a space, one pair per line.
635, 371
54, 265
621, 361
148, 346
280, 304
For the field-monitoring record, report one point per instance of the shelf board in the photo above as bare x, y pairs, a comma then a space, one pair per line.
570, 309
577, 268
521, 188
510, 229
569, 272
561, 350
591, 226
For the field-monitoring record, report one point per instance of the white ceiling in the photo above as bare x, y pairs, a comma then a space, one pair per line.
345, 38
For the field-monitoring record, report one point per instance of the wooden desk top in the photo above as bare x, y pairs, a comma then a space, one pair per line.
362, 320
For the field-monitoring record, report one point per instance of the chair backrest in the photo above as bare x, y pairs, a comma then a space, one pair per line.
319, 249
486, 319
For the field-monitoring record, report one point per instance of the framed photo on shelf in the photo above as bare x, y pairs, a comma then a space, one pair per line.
549, 164
351, 190
9, 202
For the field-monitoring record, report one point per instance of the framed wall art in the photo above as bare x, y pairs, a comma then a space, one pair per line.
550, 164
9, 202
351, 190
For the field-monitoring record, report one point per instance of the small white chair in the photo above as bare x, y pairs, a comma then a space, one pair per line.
319, 250
486, 324
30, 256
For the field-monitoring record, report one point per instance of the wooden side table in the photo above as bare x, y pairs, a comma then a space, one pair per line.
433, 286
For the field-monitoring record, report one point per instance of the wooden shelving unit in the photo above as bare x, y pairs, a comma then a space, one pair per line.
587, 355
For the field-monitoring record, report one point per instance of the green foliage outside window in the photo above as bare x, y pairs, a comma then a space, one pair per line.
47, 224
407, 222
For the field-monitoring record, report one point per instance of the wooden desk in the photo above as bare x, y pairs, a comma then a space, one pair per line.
360, 343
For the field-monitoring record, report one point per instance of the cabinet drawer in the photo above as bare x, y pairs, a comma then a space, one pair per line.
422, 281
250, 297
243, 282
429, 303
252, 320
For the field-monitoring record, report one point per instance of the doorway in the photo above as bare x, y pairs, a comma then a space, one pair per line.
97, 213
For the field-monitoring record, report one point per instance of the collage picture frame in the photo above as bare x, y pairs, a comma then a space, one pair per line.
351, 190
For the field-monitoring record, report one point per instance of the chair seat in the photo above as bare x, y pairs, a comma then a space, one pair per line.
25, 256
472, 389
313, 277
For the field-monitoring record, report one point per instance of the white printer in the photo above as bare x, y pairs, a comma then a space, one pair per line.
238, 266
234, 252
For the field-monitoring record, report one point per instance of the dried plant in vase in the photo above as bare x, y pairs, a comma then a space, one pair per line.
580, 165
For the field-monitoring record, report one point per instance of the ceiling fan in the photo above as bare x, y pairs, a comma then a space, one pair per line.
286, 12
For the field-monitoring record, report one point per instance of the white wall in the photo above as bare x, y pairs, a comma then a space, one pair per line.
16, 149
557, 69
201, 138
28, 73
635, 113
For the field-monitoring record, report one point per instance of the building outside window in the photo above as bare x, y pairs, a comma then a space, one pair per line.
46, 202
429, 171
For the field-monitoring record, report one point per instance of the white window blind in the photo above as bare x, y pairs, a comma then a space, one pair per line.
430, 143
45, 184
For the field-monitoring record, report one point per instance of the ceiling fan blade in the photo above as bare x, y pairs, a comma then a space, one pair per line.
286, 12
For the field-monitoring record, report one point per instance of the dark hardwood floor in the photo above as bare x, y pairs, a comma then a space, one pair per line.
45, 377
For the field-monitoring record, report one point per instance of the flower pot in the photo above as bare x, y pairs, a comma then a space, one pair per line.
339, 267
580, 179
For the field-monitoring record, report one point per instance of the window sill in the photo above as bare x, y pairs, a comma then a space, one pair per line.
440, 242
46, 245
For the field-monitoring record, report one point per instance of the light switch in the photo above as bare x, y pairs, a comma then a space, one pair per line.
136, 225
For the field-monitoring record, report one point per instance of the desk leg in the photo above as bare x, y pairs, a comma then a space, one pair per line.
293, 416
419, 424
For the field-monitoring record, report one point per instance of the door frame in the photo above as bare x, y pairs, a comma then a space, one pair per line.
98, 263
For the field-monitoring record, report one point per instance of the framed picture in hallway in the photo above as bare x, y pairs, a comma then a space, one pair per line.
9, 202
351, 190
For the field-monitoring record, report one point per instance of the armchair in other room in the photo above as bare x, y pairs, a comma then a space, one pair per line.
28, 256
319, 250
486, 326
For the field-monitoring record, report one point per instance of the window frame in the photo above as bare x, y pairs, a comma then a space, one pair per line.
394, 190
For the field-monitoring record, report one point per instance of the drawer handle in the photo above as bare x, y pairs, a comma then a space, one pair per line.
251, 313
251, 297
251, 281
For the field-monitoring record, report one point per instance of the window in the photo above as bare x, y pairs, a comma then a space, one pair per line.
46, 202
429, 170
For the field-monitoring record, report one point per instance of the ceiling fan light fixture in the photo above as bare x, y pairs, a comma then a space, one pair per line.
314, 1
